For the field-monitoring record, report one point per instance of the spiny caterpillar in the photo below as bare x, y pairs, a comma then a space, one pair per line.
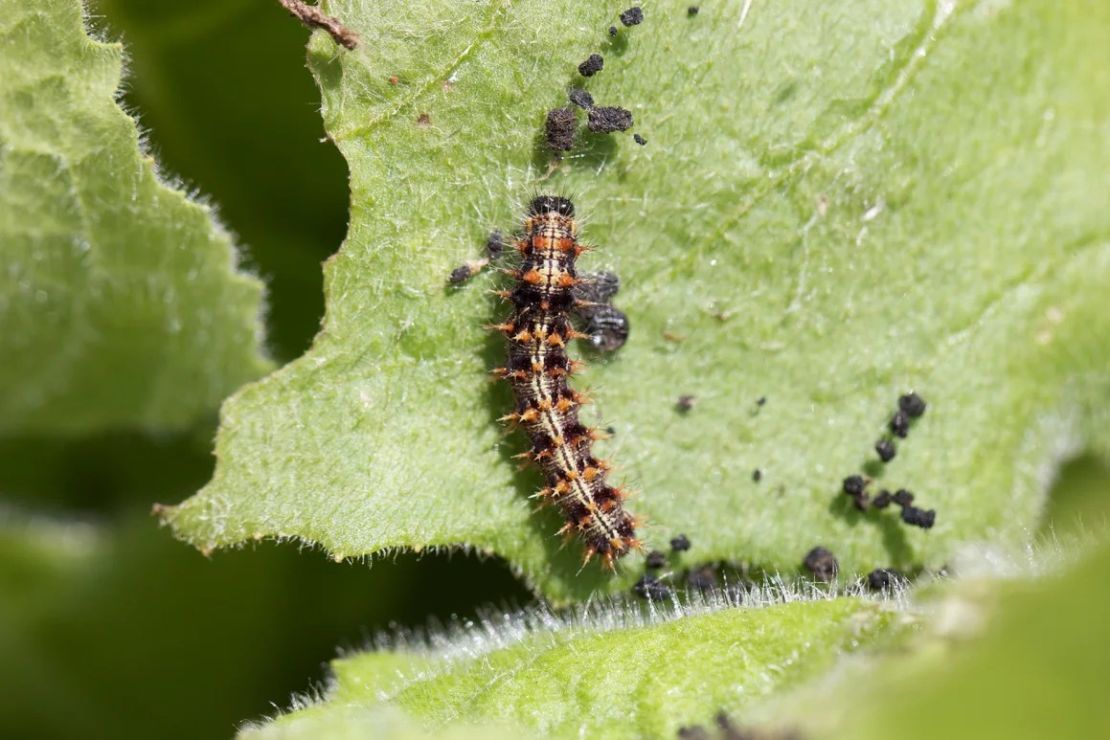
538, 368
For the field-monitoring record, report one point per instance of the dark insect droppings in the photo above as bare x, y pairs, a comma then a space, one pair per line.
886, 450
655, 560
651, 588
607, 119
882, 500
757, 475
593, 64
612, 30
559, 128
680, 543
854, 485
916, 517
460, 274
693, 10
685, 403
634, 16
881, 579
912, 404
902, 497
607, 326
495, 245
581, 98
724, 722
900, 424
822, 564
639, 139
598, 287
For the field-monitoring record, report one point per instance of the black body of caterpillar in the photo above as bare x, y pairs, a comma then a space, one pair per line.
546, 292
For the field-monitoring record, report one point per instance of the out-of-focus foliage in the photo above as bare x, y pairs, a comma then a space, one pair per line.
1033, 667
117, 631
119, 301
222, 86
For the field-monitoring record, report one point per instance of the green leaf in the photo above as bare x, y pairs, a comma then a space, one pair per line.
222, 86
1080, 500
108, 630
614, 675
1019, 658
120, 302
834, 205
354, 723
1012, 647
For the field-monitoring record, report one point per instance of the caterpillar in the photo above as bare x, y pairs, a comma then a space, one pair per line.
547, 291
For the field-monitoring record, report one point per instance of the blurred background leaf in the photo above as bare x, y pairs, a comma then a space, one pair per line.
114, 630
109, 628
1018, 658
221, 85
120, 302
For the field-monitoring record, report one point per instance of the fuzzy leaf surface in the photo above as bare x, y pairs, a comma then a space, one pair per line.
1037, 670
1013, 648
835, 205
120, 303
617, 675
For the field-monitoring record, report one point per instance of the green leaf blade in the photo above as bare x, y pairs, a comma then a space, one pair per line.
830, 211
121, 302
614, 676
